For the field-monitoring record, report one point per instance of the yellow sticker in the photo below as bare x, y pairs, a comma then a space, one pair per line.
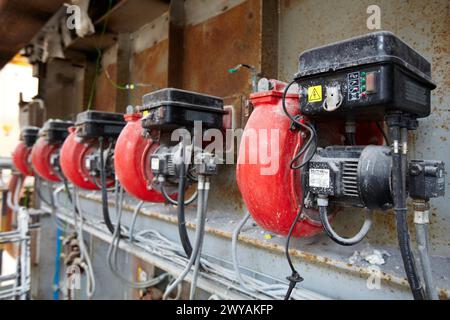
145, 113
315, 94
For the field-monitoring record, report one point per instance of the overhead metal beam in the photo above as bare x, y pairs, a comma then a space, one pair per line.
176, 43
21, 20
269, 39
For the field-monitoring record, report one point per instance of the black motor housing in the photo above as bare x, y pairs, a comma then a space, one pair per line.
355, 175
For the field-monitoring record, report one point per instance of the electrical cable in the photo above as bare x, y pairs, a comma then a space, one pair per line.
295, 277
99, 56
310, 129
197, 261
423, 247
343, 241
128, 86
399, 197
407, 256
84, 254
182, 230
385, 137
137, 209
39, 192
69, 196
234, 241
60, 225
152, 241
112, 255
166, 249
175, 202
199, 232
105, 209
13, 197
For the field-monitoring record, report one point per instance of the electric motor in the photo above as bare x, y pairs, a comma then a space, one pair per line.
361, 176
356, 175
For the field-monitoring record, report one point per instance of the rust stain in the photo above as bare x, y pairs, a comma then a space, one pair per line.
214, 46
443, 294
105, 94
211, 48
149, 67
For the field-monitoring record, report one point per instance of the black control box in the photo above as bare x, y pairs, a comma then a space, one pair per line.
364, 78
29, 135
55, 131
168, 109
95, 124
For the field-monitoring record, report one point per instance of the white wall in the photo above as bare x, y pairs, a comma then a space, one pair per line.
14, 78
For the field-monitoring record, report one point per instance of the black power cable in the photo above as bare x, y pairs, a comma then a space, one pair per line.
69, 195
399, 197
310, 129
105, 209
39, 192
175, 202
385, 137
295, 277
185, 242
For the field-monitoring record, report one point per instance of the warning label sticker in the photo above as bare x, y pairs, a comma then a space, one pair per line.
315, 94
319, 178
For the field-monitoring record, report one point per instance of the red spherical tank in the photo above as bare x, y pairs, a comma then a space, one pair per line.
21, 159
40, 158
72, 160
270, 189
132, 161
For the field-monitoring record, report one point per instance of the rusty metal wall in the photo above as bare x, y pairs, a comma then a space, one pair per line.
105, 92
149, 68
62, 89
219, 43
305, 24
216, 38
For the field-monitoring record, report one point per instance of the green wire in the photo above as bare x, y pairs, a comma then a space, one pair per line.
118, 86
99, 56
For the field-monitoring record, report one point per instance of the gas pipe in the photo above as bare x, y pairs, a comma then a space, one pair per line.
132, 160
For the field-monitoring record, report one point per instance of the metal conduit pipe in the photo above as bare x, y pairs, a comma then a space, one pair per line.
421, 222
